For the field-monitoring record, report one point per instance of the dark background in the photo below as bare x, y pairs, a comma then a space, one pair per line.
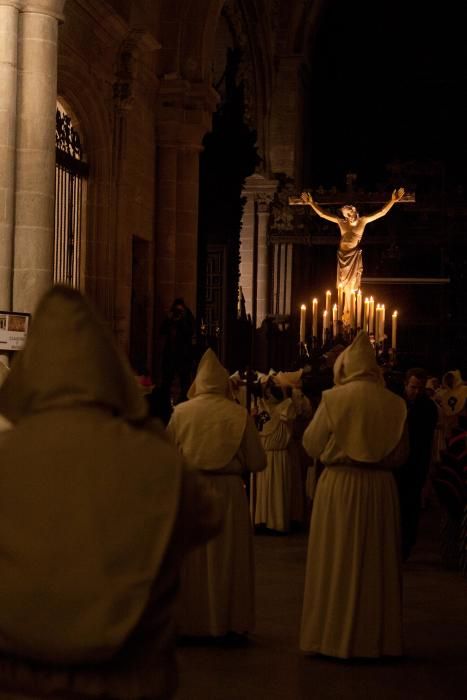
388, 82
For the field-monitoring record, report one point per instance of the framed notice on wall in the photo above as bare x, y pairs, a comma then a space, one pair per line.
13, 330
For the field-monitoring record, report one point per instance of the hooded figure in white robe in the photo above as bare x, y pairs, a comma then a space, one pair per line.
352, 600
272, 503
97, 511
217, 437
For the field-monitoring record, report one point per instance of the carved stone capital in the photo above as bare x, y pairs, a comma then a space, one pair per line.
137, 40
263, 202
185, 111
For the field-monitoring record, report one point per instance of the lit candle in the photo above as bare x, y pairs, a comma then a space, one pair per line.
302, 322
371, 316
359, 308
352, 310
325, 324
377, 322
328, 304
340, 298
334, 320
382, 322
366, 311
314, 319
394, 330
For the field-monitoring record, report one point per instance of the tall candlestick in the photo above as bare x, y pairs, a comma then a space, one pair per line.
302, 322
394, 331
328, 304
314, 319
377, 322
383, 319
334, 320
352, 310
366, 312
371, 316
359, 308
325, 324
340, 298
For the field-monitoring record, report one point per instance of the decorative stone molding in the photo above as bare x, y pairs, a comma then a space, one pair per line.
12, 3
51, 8
137, 40
263, 202
185, 111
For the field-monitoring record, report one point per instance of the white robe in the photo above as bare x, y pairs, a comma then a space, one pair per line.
273, 493
217, 581
352, 601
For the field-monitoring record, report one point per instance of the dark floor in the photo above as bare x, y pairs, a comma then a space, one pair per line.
271, 666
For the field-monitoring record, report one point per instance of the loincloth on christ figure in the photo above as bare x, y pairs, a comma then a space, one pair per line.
349, 269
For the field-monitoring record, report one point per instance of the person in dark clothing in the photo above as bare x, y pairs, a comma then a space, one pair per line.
177, 356
422, 417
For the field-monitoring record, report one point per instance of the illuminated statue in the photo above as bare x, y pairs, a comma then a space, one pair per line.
351, 226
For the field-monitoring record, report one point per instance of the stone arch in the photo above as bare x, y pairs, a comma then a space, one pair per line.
188, 38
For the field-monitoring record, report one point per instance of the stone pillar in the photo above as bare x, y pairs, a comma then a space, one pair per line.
282, 276
247, 254
262, 266
185, 113
254, 253
35, 151
9, 18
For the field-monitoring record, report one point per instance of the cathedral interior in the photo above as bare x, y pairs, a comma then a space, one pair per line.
149, 149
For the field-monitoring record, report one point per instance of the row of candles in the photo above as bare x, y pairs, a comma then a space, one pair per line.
363, 315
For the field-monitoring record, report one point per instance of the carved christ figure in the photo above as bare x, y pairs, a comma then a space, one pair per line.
351, 226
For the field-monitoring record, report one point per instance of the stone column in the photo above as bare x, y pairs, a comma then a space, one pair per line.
254, 254
262, 267
9, 18
185, 111
247, 253
35, 151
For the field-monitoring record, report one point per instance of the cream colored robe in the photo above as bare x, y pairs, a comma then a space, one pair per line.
273, 497
217, 437
93, 507
352, 601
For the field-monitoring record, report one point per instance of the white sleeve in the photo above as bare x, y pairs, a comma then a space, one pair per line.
317, 434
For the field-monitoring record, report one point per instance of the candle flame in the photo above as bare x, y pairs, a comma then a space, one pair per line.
303, 307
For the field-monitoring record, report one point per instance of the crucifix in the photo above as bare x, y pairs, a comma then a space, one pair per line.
351, 226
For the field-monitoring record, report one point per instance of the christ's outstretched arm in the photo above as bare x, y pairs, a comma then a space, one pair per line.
308, 200
396, 197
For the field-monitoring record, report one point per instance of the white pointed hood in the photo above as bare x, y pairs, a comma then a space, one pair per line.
209, 427
367, 419
88, 500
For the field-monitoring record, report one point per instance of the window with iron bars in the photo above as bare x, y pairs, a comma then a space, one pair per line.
70, 195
